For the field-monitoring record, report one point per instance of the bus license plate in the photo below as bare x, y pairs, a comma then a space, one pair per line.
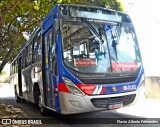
115, 105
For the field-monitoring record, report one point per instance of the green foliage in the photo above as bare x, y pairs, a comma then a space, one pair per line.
113, 4
4, 78
18, 16
3, 73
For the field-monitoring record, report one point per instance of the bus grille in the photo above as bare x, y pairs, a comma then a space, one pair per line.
108, 80
103, 102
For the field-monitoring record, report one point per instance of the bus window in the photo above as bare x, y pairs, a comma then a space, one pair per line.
30, 53
14, 67
11, 70
34, 50
39, 51
23, 59
37, 48
27, 57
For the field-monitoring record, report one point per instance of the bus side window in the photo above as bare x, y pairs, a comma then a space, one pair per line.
14, 67
27, 57
23, 59
34, 50
37, 49
11, 70
30, 53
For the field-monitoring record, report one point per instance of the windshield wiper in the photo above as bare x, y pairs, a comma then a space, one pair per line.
93, 30
114, 45
115, 42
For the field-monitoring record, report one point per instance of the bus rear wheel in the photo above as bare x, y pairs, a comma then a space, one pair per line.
18, 99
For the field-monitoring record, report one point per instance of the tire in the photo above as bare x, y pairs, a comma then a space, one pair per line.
39, 102
18, 99
23, 100
42, 109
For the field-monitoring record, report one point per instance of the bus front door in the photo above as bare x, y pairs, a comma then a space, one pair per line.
48, 78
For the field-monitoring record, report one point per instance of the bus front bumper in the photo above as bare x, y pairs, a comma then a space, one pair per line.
73, 104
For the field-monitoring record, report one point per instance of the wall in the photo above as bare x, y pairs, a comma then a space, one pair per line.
152, 88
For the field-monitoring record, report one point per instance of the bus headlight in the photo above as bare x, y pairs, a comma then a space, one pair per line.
72, 87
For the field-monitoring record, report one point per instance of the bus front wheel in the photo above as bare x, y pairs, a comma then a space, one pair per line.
43, 110
39, 102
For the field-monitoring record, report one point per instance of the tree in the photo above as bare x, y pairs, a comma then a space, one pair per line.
113, 4
19, 17
3, 73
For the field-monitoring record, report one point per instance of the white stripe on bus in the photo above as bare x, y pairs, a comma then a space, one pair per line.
99, 91
95, 91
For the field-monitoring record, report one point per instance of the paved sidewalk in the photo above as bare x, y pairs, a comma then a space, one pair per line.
148, 108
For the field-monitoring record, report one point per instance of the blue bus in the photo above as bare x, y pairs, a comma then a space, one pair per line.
80, 59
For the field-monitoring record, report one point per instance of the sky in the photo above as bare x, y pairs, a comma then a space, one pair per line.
146, 18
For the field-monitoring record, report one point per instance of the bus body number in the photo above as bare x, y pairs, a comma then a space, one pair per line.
129, 87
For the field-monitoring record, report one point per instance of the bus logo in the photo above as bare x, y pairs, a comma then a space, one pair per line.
114, 89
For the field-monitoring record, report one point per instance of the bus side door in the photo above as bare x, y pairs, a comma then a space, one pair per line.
48, 82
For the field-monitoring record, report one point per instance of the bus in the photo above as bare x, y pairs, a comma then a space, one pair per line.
80, 59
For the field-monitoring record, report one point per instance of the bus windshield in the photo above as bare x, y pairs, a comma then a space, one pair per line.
95, 47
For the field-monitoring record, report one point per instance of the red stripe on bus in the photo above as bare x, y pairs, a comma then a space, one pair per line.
63, 88
103, 90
